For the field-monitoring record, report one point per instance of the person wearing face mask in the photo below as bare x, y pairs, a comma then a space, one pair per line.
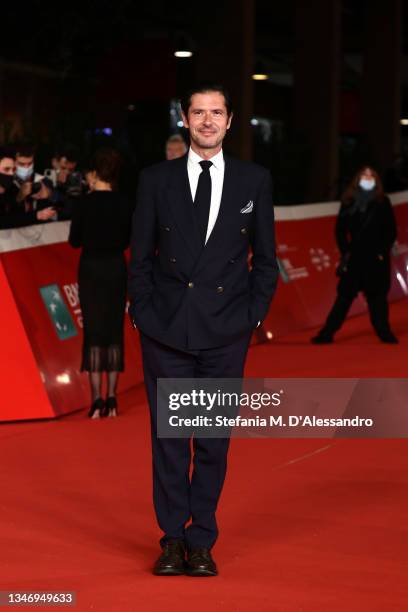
365, 233
7, 165
34, 191
10, 216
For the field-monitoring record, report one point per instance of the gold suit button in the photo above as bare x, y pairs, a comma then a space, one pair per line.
173, 259
190, 285
243, 230
220, 289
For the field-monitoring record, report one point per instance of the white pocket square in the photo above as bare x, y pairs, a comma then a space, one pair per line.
248, 208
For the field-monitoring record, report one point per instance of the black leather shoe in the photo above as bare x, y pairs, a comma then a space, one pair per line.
172, 560
200, 563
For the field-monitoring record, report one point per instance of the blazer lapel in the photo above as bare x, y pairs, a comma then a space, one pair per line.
182, 208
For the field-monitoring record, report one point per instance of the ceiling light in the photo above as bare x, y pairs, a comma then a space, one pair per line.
260, 72
183, 45
183, 53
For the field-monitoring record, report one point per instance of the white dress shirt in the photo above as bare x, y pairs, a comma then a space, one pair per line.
217, 180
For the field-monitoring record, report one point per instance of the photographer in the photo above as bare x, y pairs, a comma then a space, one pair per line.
52, 172
33, 191
7, 167
10, 214
70, 184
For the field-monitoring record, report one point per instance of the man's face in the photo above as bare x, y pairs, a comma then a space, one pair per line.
24, 162
7, 166
207, 120
175, 149
67, 166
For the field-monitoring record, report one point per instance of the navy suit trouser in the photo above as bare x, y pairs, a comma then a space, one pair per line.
185, 500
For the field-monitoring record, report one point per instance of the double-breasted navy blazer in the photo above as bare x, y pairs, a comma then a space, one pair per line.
189, 296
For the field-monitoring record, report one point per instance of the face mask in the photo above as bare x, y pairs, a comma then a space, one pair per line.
24, 173
6, 180
367, 184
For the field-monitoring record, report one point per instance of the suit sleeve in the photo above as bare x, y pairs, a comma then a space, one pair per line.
142, 245
18, 219
264, 272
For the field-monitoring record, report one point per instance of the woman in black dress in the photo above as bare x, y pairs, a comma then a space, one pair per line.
365, 233
101, 225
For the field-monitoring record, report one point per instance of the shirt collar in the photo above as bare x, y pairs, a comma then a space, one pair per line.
217, 160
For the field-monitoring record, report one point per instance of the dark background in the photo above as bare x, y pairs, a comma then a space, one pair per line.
105, 72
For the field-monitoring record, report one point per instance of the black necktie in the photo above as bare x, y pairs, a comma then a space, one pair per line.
202, 198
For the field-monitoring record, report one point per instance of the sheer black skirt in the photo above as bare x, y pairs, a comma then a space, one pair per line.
102, 290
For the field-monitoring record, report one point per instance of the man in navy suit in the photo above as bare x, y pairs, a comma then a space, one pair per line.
196, 302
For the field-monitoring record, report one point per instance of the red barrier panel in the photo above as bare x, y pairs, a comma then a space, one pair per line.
43, 282
22, 389
41, 317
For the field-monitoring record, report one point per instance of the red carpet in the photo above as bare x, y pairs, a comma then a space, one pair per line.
306, 525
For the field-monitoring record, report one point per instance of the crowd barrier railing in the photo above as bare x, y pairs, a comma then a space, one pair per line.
41, 320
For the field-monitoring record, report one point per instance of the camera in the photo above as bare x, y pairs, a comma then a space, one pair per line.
35, 188
51, 175
73, 185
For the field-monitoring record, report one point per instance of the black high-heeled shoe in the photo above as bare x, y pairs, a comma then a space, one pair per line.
111, 407
96, 409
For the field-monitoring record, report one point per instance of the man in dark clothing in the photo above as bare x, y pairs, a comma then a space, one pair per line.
70, 184
196, 304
